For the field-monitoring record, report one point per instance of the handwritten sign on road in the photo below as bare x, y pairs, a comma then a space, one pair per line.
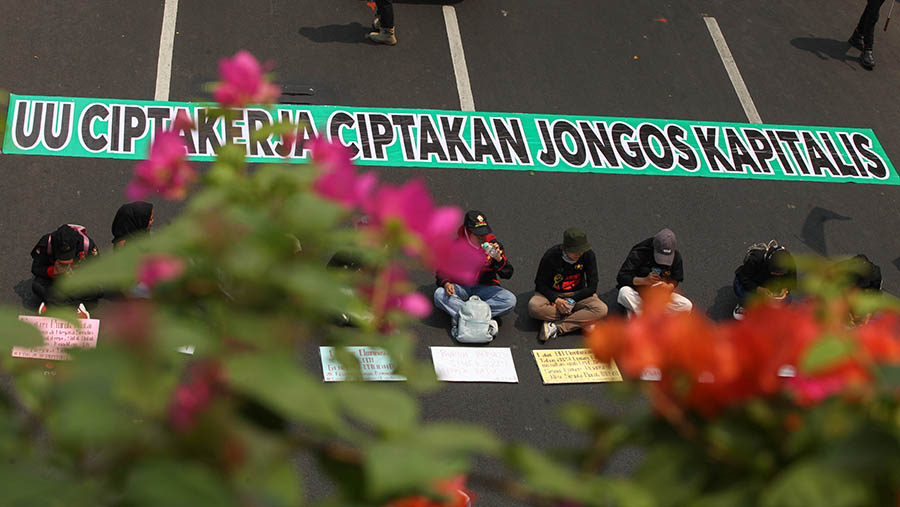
374, 364
474, 364
574, 366
58, 336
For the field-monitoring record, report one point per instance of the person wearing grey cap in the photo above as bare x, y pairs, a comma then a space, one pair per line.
653, 262
565, 287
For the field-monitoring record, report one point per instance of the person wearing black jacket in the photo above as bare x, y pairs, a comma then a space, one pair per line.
131, 219
769, 271
652, 262
565, 287
56, 254
449, 295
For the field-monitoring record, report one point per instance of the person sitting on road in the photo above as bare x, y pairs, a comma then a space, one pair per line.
652, 262
865, 277
56, 254
565, 287
449, 296
132, 218
768, 271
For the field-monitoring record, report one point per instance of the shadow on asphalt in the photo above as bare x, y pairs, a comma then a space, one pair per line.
825, 48
722, 307
23, 290
813, 232
351, 33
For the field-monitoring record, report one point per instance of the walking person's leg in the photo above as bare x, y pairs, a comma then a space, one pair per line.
385, 33
866, 28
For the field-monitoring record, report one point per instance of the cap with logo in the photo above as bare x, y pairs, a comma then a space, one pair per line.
575, 241
664, 247
476, 223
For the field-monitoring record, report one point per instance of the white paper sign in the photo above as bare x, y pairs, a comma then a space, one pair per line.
59, 335
374, 364
474, 364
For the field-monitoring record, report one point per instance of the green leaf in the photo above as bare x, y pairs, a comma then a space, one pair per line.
14, 332
828, 351
811, 484
282, 386
27, 485
398, 469
889, 376
175, 484
672, 474
457, 438
579, 415
276, 484
385, 408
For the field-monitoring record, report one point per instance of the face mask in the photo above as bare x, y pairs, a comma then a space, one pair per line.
569, 260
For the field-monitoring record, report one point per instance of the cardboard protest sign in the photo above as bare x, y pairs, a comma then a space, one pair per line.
574, 366
58, 336
474, 364
374, 364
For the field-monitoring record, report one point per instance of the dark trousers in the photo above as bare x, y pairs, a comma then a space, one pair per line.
43, 288
866, 26
385, 10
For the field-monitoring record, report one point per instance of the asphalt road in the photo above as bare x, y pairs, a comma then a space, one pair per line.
584, 57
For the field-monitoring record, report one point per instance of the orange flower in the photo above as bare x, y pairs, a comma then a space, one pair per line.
454, 489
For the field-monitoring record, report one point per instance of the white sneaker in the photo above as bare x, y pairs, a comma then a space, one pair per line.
548, 331
42, 309
493, 327
738, 312
82, 312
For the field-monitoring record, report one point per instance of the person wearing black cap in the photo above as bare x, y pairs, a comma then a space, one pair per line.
55, 255
132, 218
652, 262
768, 271
450, 295
565, 287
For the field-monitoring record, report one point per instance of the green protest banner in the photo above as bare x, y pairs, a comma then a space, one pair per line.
107, 128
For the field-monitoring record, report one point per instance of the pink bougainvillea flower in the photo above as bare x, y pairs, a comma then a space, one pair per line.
243, 82
182, 121
395, 289
338, 180
165, 172
191, 398
157, 268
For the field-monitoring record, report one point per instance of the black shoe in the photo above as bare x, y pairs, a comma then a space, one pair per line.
856, 40
868, 58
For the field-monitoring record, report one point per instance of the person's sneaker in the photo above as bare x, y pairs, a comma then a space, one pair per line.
376, 25
738, 312
868, 58
82, 312
548, 331
856, 40
42, 309
383, 36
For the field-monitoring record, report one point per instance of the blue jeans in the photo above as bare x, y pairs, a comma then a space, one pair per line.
499, 299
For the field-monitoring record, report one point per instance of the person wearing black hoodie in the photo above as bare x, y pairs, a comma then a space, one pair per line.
131, 218
565, 287
654, 262
768, 271
449, 295
55, 255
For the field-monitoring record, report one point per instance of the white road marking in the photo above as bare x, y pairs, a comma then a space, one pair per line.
733, 73
166, 45
466, 101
